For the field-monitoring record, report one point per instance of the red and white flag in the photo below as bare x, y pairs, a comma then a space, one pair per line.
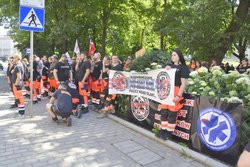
77, 49
91, 47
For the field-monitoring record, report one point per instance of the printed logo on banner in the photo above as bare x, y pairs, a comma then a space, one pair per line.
140, 107
119, 81
216, 129
163, 85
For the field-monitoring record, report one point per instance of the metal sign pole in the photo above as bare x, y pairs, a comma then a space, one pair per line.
31, 74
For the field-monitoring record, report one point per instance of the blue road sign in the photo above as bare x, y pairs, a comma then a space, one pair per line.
31, 19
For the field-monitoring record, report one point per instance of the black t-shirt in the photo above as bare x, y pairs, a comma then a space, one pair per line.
9, 71
63, 70
182, 71
243, 69
17, 69
64, 102
118, 67
73, 66
97, 70
36, 73
105, 74
45, 70
83, 66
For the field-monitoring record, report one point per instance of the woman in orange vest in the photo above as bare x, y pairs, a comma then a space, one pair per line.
169, 113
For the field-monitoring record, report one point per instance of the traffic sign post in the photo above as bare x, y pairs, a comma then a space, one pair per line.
31, 18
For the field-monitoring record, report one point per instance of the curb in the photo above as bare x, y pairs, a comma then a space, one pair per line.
205, 160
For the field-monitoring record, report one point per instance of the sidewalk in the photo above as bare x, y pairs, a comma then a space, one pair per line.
89, 142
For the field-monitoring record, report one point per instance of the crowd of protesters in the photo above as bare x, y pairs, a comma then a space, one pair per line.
73, 86
82, 79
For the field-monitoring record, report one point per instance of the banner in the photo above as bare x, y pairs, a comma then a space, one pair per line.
157, 85
216, 128
207, 125
144, 112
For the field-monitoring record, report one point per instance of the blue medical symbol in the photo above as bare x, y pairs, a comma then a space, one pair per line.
214, 124
217, 132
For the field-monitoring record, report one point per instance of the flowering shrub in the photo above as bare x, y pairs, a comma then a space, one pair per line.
232, 88
152, 60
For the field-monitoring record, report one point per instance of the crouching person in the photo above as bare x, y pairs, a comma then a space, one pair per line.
63, 105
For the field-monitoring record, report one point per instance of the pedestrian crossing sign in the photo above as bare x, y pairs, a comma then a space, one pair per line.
31, 19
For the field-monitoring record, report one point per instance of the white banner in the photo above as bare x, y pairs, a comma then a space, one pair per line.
157, 85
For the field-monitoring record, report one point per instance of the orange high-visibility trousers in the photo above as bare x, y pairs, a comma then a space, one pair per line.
83, 93
19, 99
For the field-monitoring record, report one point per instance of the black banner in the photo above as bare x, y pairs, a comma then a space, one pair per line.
208, 126
216, 128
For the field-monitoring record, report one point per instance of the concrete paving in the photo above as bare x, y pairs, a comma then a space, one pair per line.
89, 142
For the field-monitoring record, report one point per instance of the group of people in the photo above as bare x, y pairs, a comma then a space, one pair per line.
241, 68
73, 86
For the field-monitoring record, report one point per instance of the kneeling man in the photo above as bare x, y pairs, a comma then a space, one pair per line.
63, 106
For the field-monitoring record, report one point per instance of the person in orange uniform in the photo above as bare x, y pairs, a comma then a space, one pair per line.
83, 71
17, 80
169, 113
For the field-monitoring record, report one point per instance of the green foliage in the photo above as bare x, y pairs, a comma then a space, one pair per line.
156, 56
232, 87
124, 26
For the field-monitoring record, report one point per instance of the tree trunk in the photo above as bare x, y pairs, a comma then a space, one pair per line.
65, 46
227, 38
162, 42
104, 30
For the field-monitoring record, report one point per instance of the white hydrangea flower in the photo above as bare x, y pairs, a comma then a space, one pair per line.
193, 74
211, 93
203, 70
203, 83
233, 93
243, 80
216, 68
158, 66
240, 80
217, 72
234, 73
147, 69
190, 82
153, 64
234, 100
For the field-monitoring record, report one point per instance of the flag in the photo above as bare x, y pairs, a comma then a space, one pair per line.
68, 58
77, 49
91, 47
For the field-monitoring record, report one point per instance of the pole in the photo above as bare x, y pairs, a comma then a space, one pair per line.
31, 74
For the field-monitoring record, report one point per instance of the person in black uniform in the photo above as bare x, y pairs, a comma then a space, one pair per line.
110, 99
83, 72
36, 81
45, 73
242, 68
63, 106
62, 71
169, 113
17, 81
10, 68
52, 81
96, 82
